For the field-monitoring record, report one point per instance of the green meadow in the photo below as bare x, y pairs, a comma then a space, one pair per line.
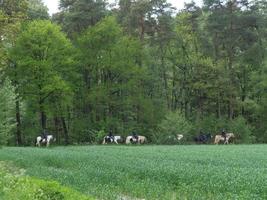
148, 172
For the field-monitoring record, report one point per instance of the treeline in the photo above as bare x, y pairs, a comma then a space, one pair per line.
140, 65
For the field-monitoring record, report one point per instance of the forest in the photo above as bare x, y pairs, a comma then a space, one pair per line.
139, 65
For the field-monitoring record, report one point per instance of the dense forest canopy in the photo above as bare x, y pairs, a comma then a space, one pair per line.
139, 66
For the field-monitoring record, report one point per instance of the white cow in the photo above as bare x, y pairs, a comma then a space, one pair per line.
115, 139
40, 140
133, 140
179, 136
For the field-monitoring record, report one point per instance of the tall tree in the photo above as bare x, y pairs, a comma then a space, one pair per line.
43, 57
234, 32
77, 15
7, 110
37, 10
12, 15
113, 79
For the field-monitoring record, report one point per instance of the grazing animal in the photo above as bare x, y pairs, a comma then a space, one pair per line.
40, 140
179, 136
133, 140
115, 139
173, 139
203, 138
219, 138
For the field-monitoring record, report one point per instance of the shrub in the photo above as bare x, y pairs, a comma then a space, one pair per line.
238, 126
174, 123
27, 188
210, 124
242, 130
99, 136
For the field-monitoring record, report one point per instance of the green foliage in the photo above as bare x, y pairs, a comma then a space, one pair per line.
74, 15
174, 123
14, 8
242, 130
114, 80
43, 57
30, 124
7, 111
37, 10
135, 63
12, 15
100, 135
209, 124
259, 106
26, 188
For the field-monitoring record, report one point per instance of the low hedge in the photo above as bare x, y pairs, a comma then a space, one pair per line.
18, 187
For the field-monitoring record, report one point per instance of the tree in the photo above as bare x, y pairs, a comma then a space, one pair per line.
37, 10
139, 18
234, 30
173, 123
12, 15
77, 15
113, 80
7, 110
42, 54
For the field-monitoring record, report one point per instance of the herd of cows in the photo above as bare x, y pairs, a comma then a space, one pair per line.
138, 139
203, 138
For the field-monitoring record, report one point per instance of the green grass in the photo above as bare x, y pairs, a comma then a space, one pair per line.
151, 172
14, 185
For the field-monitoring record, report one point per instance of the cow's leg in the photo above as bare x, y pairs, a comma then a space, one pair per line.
37, 143
226, 141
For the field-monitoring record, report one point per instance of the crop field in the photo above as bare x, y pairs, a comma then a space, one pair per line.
150, 172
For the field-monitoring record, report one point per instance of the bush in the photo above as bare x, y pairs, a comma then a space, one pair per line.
174, 123
99, 136
238, 126
210, 124
242, 130
27, 188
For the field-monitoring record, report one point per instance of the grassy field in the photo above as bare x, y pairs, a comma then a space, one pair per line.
150, 172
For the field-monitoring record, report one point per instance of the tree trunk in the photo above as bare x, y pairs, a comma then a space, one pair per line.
43, 120
243, 98
65, 130
164, 74
219, 107
42, 115
142, 27
231, 61
231, 108
18, 120
18, 116
56, 122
